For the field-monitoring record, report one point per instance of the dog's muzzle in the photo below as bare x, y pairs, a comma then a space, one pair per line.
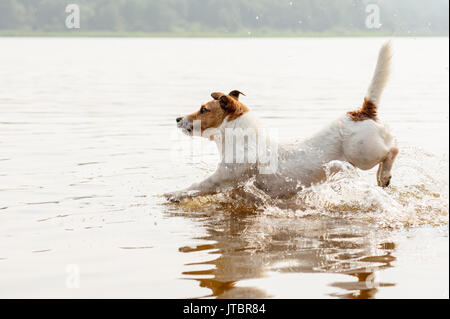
186, 126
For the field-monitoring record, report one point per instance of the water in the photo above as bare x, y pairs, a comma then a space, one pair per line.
87, 133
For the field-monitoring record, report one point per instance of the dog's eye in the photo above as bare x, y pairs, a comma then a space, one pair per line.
203, 109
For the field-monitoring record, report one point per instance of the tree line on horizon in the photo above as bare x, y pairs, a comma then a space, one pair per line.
228, 16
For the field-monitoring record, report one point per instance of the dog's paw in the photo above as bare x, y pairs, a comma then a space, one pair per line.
174, 197
178, 196
385, 181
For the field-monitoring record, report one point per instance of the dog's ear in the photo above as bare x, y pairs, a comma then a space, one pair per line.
216, 95
226, 103
235, 94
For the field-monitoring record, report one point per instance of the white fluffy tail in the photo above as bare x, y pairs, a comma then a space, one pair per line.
381, 74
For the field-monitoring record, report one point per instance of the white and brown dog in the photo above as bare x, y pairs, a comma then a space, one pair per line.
358, 137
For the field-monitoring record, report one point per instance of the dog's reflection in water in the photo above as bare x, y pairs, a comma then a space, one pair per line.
246, 243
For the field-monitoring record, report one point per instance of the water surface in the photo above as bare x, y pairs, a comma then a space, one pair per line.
88, 145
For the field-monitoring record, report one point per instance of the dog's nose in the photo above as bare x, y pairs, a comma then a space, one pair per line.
179, 119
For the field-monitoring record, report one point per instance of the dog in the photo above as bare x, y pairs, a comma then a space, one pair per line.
358, 137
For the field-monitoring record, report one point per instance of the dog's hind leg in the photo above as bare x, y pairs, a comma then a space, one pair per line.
384, 168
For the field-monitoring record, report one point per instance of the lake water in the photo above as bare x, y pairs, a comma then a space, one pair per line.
87, 147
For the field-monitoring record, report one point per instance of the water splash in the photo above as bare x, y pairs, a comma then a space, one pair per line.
418, 195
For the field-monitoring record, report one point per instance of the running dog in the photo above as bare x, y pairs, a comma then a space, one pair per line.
358, 137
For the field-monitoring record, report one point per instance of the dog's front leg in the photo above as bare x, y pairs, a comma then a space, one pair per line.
208, 186
213, 184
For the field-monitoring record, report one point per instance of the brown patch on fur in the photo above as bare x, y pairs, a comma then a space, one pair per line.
232, 107
213, 113
368, 111
211, 117
216, 95
235, 94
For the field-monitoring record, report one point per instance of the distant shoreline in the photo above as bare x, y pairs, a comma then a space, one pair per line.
248, 34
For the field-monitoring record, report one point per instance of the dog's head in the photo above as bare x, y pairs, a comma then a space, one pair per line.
223, 107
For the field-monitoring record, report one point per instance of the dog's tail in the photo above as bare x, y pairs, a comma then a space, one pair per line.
381, 74
369, 108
